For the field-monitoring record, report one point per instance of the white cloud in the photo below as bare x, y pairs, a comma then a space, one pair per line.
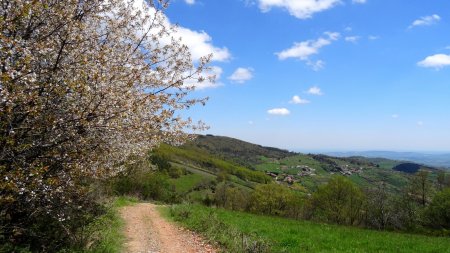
427, 20
190, 2
207, 82
315, 91
359, 1
200, 44
241, 75
301, 9
352, 39
348, 29
373, 37
279, 111
395, 116
436, 61
305, 49
298, 100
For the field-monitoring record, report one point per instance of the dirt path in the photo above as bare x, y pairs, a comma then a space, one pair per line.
147, 232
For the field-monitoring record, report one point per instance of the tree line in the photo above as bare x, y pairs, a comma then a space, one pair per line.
419, 207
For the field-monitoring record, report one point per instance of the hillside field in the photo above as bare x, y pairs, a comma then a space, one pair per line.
285, 235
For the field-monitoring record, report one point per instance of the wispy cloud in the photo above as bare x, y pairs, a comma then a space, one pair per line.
298, 100
373, 37
420, 123
190, 2
437, 61
352, 39
305, 49
241, 75
300, 9
395, 116
315, 91
426, 21
279, 111
316, 65
359, 1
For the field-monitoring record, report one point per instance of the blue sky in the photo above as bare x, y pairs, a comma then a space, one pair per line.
324, 74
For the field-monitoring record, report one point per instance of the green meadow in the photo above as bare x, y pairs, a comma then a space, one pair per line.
286, 235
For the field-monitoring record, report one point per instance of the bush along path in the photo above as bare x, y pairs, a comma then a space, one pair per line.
147, 232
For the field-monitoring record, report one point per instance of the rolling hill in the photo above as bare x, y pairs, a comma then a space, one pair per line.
248, 164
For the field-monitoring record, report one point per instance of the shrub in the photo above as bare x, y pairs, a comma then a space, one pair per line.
148, 185
339, 201
437, 214
275, 199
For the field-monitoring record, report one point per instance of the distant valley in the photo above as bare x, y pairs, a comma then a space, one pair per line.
441, 160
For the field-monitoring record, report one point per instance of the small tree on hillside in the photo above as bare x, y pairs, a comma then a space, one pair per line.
339, 201
437, 213
271, 199
85, 87
421, 186
443, 180
379, 210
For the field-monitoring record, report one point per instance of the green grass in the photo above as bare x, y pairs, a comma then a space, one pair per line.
124, 201
105, 234
269, 166
286, 235
108, 230
186, 183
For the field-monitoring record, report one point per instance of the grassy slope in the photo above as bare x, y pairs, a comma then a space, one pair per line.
302, 236
196, 157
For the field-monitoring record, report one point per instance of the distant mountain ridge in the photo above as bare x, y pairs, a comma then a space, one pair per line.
431, 159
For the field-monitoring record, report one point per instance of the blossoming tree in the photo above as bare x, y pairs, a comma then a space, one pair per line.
85, 87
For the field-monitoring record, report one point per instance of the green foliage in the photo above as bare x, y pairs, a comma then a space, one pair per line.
206, 160
285, 235
105, 233
41, 231
340, 201
421, 187
148, 185
160, 161
438, 212
271, 199
231, 197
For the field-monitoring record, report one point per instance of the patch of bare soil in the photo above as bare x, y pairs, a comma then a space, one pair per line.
147, 232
